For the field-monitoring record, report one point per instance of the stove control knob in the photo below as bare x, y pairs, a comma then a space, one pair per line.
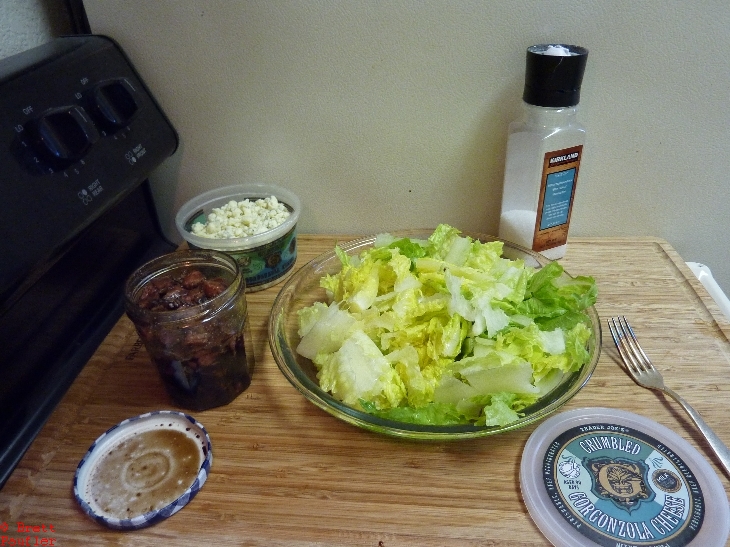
62, 136
113, 104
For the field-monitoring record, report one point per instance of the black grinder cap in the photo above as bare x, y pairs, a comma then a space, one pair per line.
554, 80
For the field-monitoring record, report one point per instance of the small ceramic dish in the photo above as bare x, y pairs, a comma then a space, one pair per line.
143, 470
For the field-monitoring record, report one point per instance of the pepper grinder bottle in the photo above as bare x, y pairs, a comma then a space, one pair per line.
544, 151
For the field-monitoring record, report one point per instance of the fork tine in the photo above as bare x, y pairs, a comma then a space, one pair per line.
615, 334
624, 346
638, 350
618, 338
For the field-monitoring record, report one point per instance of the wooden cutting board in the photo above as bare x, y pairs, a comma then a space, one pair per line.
287, 474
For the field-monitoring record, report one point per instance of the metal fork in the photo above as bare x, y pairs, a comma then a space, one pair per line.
641, 369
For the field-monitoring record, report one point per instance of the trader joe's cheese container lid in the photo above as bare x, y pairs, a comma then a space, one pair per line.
600, 476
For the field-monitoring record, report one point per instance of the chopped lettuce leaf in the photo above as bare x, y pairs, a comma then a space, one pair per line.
409, 248
358, 370
323, 329
430, 414
445, 330
500, 410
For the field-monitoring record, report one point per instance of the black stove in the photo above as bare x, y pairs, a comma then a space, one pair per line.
79, 135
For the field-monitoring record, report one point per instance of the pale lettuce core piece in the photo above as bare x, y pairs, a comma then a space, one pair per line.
445, 330
358, 370
323, 329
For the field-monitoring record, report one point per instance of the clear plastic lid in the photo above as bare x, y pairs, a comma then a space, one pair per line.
600, 476
198, 208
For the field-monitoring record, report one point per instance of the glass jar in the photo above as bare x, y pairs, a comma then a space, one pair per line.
189, 309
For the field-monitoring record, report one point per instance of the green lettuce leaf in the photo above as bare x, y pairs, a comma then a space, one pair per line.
430, 414
445, 330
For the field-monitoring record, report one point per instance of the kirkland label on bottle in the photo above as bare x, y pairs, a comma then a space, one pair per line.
557, 188
621, 487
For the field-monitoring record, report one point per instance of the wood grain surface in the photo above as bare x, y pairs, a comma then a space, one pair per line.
287, 474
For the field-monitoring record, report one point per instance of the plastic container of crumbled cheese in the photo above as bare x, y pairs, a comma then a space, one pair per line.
606, 477
254, 223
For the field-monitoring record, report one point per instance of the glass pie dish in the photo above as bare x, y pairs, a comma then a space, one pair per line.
303, 289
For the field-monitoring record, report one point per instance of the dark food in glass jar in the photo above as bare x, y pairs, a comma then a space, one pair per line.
212, 376
187, 288
203, 362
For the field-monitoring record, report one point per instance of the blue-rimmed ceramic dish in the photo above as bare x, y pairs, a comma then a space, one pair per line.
143, 470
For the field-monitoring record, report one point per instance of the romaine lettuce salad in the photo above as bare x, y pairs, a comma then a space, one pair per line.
445, 331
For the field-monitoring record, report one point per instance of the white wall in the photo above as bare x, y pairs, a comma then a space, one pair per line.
25, 24
388, 115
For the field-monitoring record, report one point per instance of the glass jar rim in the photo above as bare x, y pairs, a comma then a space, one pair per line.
171, 262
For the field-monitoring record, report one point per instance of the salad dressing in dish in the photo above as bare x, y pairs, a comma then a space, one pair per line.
145, 472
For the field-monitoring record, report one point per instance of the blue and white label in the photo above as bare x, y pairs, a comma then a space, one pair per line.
619, 486
558, 195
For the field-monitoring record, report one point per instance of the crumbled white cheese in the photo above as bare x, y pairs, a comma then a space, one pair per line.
242, 218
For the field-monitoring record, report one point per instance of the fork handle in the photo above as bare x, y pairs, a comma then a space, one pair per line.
721, 451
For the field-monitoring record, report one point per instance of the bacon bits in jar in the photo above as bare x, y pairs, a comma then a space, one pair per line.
189, 309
